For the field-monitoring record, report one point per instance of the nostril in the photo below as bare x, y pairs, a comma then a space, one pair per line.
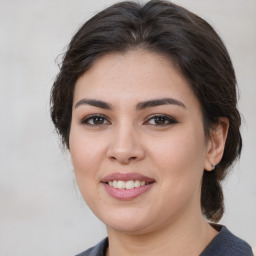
123, 159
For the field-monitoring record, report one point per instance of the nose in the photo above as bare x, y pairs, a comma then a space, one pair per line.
126, 145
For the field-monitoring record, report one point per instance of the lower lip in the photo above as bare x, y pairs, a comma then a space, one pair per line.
127, 194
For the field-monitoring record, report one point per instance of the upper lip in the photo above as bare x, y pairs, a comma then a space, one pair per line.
126, 177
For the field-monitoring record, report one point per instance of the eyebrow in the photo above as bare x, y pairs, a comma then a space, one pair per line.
159, 102
140, 106
95, 103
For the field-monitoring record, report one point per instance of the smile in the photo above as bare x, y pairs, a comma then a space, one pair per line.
130, 184
127, 186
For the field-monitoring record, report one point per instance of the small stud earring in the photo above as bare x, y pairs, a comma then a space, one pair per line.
213, 167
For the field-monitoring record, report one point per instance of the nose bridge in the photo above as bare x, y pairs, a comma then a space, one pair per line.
126, 143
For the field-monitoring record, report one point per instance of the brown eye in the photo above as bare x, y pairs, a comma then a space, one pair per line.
95, 120
161, 120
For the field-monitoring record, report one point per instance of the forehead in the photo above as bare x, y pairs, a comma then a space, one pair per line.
136, 74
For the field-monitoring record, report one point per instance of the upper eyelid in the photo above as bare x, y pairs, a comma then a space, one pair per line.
88, 117
161, 115
93, 115
171, 120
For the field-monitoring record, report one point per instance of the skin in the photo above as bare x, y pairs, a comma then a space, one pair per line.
125, 140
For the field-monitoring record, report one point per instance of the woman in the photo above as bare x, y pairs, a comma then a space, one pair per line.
145, 101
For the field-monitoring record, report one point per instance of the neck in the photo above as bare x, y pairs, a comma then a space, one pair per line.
179, 239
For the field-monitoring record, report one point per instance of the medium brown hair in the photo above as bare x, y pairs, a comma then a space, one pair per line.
189, 42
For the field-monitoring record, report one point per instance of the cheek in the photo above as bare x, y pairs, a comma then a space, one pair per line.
86, 156
180, 157
179, 161
84, 149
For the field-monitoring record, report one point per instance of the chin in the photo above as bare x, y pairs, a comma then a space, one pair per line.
129, 228
127, 222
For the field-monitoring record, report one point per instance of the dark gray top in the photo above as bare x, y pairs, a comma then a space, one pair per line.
224, 244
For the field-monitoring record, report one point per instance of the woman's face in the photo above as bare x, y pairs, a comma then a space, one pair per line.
137, 142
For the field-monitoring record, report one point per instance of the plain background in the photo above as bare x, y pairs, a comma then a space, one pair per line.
41, 210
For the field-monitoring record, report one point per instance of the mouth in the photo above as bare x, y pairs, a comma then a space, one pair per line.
127, 186
130, 184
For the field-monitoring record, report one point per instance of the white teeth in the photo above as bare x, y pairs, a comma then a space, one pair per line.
114, 184
130, 184
121, 184
142, 183
137, 183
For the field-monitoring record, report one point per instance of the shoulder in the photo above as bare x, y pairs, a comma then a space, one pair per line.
225, 243
97, 250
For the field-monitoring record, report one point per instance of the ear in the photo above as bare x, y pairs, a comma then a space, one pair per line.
216, 144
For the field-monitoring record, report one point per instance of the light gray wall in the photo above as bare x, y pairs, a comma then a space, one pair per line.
41, 211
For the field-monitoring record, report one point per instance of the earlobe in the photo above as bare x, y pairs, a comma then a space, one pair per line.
216, 144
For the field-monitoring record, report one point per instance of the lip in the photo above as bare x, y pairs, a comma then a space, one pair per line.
126, 177
127, 194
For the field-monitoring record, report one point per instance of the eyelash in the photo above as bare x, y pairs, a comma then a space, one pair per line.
170, 120
94, 117
160, 117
